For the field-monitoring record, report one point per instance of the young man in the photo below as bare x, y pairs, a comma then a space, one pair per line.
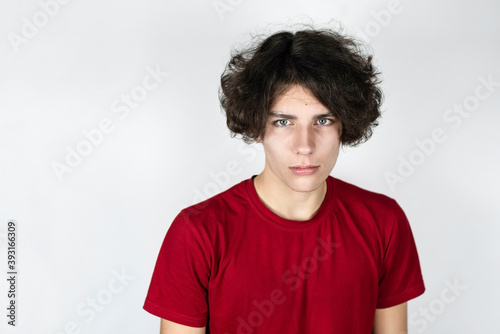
293, 249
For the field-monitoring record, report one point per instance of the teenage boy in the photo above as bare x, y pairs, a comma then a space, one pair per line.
293, 249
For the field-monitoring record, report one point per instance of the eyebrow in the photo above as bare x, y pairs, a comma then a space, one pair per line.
278, 114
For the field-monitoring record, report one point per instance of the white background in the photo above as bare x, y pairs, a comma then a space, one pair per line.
109, 214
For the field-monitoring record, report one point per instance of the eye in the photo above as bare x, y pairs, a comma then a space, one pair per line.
281, 122
325, 121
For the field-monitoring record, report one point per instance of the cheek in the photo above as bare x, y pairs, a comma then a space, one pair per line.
331, 150
329, 140
275, 142
274, 152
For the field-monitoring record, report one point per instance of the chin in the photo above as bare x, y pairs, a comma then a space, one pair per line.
306, 183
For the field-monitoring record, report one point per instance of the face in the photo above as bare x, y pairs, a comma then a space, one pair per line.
301, 141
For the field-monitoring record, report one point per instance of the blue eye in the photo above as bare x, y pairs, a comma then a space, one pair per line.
286, 122
281, 122
325, 121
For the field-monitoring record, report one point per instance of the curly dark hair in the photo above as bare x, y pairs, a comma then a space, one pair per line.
330, 65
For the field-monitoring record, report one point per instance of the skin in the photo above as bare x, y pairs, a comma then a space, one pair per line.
391, 320
301, 132
169, 327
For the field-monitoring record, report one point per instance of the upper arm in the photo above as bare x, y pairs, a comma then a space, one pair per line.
179, 284
391, 320
169, 327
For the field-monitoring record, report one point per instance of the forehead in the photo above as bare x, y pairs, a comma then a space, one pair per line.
297, 98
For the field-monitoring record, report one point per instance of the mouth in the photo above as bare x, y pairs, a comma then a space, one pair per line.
304, 170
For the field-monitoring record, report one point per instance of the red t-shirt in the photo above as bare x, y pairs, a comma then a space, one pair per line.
229, 263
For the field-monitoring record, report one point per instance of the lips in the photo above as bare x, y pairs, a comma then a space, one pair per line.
304, 170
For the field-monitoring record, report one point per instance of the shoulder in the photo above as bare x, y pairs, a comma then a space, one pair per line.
218, 206
357, 199
374, 213
210, 220
354, 193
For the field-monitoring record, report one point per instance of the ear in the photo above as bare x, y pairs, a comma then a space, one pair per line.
258, 140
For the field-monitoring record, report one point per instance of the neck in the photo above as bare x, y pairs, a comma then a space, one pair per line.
288, 203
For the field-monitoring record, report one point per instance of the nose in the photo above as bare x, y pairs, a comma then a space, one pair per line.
304, 140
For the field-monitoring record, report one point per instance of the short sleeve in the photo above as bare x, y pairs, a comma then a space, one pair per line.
401, 278
178, 288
